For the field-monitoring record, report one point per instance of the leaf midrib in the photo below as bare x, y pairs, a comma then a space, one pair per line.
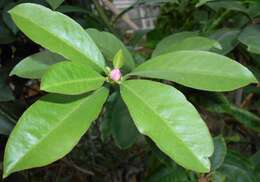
190, 72
54, 128
155, 113
73, 82
65, 42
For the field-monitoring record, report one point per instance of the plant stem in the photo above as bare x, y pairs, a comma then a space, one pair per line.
218, 20
103, 15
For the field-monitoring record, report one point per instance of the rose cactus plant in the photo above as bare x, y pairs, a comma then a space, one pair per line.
79, 80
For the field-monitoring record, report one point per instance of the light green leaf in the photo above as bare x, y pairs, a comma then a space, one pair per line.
250, 37
192, 43
123, 128
172, 40
227, 38
197, 69
50, 128
58, 33
110, 45
55, 3
119, 59
220, 150
163, 113
71, 79
34, 66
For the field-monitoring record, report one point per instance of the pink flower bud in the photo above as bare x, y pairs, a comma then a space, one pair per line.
115, 74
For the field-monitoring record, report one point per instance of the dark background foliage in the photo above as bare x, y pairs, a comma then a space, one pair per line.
113, 152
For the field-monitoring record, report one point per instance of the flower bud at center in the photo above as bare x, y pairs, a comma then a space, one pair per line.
115, 74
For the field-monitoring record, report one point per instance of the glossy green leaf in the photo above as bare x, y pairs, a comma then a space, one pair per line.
197, 69
250, 37
163, 113
71, 78
58, 33
50, 128
171, 40
34, 66
228, 40
110, 45
55, 3
119, 59
220, 150
123, 128
191, 43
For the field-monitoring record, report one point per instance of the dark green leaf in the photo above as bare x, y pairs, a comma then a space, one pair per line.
250, 37
110, 45
123, 129
227, 39
220, 150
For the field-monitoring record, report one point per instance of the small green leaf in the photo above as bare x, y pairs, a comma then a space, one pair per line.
174, 39
227, 38
110, 45
58, 33
55, 3
118, 60
220, 150
123, 128
192, 43
71, 78
197, 69
250, 37
50, 128
163, 113
34, 66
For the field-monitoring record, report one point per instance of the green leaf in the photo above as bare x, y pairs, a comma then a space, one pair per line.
218, 103
163, 113
250, 37
119, 59
202, 2
123, 128
34, 66
228, 5
192, 43
5, 91
227, 38
55, 3
197, 69
58, 33
71, 78
110, 45
237, 168
220, 150
6, 125
50, 128
171, 40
